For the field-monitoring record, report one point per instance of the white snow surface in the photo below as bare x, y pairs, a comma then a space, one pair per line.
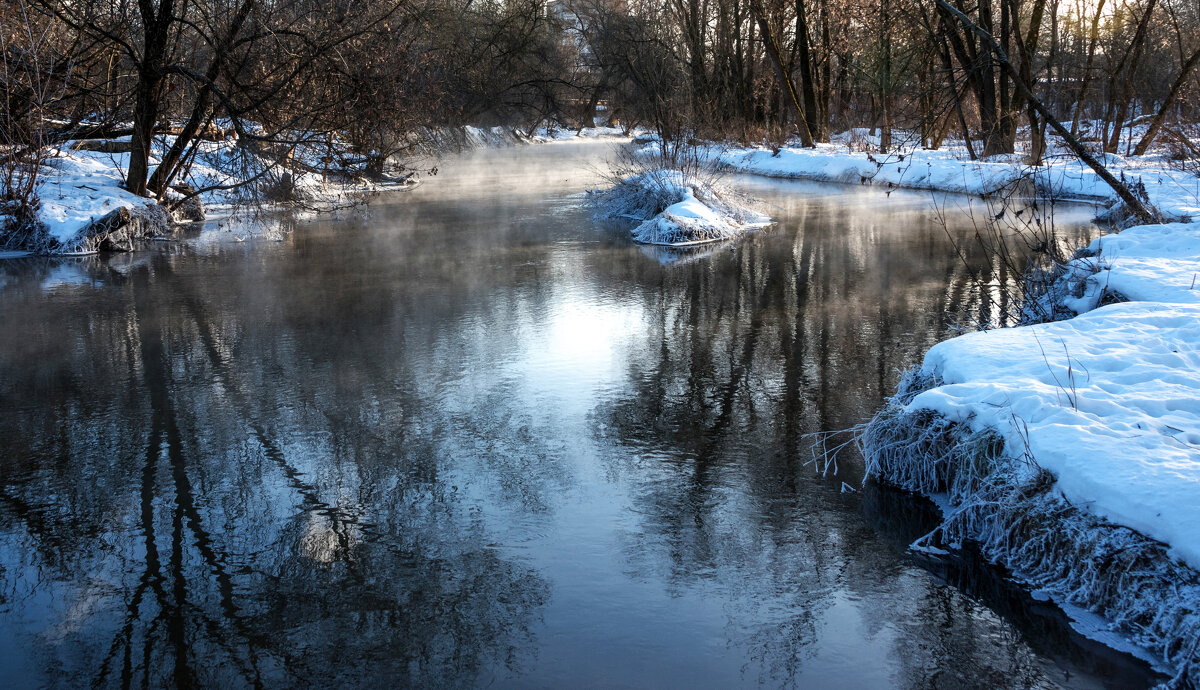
1173, 192
699, 212
1108, 401
79, 187
600, 131
1159, 263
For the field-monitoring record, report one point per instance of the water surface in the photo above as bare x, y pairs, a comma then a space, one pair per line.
476, 438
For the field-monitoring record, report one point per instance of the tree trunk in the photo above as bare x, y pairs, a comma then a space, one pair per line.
1167, 103
808, 77
148, 91
1088, 67
782, 72
1125, 88
948, 65
885, 76
1134, 204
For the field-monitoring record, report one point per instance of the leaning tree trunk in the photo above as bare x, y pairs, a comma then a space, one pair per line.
782, 72
1172, 95
1131, 202
168, 167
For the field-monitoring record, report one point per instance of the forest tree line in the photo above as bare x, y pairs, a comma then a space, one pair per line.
763, 69
271, 73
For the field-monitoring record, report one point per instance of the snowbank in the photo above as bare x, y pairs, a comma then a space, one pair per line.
1071, 450
1174, 193
1109, 402
1154, 263
78, 187
439, 140
677, 210
1118, 586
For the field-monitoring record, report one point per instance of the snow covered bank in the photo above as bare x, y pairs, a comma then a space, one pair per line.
1119, 586
1175, 193
79, 188
545, 134
1071, 450
82, 183
81, 191
1109, 402
676, 209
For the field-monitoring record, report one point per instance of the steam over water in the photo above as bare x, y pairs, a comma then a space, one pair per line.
478, 439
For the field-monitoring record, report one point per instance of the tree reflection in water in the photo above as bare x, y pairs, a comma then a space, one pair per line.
211, 552
480, 440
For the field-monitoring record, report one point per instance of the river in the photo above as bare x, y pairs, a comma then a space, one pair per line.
475, 438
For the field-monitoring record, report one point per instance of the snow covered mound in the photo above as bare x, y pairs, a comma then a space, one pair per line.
1071, 450
1152, 262
678, 210
1109, 402
78, 188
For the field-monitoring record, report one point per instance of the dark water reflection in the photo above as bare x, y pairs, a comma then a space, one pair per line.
475, 439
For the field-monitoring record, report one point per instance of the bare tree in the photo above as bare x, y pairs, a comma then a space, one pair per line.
34, 73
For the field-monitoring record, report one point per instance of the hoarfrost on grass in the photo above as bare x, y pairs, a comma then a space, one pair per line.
1118, 585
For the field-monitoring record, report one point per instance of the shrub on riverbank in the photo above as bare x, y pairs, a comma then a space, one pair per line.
674, 193
676, 209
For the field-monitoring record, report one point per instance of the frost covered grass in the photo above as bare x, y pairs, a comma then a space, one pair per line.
1013, 509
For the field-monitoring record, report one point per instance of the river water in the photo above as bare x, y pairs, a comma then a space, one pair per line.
476, 438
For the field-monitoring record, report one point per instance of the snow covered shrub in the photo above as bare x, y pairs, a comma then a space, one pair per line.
675, 209
1016, 258
33, 75
675, 195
